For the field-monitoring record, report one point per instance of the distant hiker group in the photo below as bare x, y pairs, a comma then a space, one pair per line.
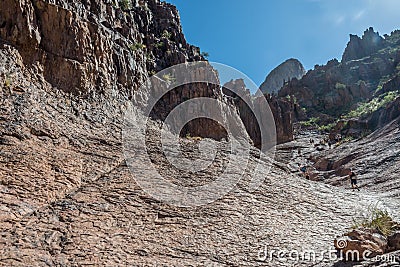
307, 171
324, 142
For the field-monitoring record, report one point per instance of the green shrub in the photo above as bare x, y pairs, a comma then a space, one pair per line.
312, 122
340, 86
166, 34
291, 98
376, 103
149, 56
378, 220
7, 82
193, 138
326, 128
390, 97
159, 45
206, 55
137, 46
378, 88
169, 78
125, 4
345, 140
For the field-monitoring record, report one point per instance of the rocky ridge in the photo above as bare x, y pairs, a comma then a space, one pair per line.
336, 88
368, 44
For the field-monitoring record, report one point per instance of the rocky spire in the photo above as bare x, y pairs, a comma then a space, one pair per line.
358, 47
291, 68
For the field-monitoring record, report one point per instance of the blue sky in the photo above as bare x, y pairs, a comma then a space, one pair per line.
255, 36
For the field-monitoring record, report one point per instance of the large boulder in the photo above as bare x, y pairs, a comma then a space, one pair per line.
394, 241
361, 244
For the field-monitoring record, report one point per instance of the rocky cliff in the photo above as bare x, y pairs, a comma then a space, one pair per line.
107, 46
368, 44
336, 88
283, 111
288, 70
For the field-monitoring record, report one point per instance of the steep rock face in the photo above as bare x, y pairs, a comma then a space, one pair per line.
384, 115
282, 110
108, 48
178, 95
67, 197
335, 88
68, 72
288, 70
360, 126
284, 114
105, 47
368, 44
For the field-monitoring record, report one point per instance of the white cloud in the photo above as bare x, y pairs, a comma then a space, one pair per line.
359, 14
340, 20
387, 5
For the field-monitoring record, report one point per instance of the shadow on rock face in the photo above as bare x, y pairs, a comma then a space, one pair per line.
204, 128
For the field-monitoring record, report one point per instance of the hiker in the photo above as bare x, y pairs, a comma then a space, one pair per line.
305, 172
330, 144
353, 180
